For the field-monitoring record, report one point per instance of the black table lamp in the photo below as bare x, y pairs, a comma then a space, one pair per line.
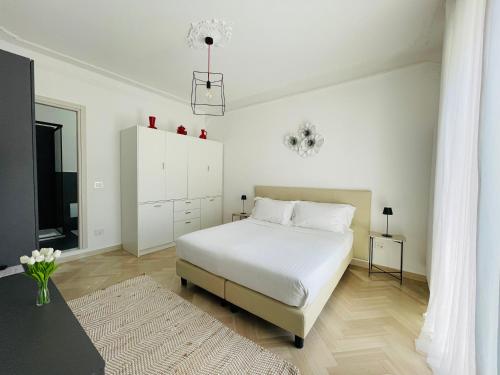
387, 211
243, 199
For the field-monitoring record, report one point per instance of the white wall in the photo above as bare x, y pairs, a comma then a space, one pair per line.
110, 106
378, 136
430, 215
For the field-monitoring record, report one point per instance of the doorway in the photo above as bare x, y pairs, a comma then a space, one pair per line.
57, 177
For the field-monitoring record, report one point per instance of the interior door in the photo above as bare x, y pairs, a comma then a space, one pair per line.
176, 165
46, 177
151, 165
49, 176
155, 224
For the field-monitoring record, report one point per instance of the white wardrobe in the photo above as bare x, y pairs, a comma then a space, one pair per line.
171, 185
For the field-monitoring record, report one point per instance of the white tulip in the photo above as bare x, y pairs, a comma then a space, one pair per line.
35, 253
57, 254
49, 258
43, 251
50, 251
31, 261
24, 259
39, 258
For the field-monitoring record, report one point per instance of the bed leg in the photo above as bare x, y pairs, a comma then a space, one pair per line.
299, 342
234, 308
184, 282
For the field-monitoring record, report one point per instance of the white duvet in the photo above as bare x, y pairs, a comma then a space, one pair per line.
287, 263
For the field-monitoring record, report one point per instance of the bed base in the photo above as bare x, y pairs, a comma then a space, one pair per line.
297, 321
299, 341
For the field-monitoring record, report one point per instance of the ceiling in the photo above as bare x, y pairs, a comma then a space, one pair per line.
278, 48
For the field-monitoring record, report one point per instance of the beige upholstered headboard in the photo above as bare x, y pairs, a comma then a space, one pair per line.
361, 199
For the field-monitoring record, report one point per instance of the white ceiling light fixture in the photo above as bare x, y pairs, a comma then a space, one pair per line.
207, 88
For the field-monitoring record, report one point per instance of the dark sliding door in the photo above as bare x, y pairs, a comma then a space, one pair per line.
18, 216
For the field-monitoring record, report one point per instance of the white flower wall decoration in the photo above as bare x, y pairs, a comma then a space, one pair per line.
306, 142
307, 130
292, 141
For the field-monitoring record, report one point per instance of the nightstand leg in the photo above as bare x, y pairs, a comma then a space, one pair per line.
370, 255
401, 266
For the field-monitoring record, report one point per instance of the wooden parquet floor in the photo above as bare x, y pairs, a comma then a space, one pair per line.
368, 326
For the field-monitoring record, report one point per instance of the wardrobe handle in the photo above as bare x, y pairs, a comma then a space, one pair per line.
187, 212
187, 202
157, 205
187, 222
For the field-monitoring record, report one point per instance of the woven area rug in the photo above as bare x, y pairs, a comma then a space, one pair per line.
141, 328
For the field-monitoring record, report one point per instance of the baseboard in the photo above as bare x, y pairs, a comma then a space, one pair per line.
83, 253
409, 275
155, 249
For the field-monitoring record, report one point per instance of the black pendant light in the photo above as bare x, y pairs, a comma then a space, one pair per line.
207, 90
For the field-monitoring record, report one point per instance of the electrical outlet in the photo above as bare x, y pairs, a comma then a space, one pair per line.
379, 245
98, 232
98, 184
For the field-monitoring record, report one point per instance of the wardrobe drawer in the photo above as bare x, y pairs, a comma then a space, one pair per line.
186, 214
186, 204
186, 226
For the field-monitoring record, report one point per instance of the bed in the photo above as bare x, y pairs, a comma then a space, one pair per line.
283, 274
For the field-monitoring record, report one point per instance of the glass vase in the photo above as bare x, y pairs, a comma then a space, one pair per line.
43, 294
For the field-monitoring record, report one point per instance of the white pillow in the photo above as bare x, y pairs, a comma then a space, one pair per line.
325, 216
274, 211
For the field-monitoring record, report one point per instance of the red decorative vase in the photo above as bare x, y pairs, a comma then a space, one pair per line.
203, 134
181, 130
152, 121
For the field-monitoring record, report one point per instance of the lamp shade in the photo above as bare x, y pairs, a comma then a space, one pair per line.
243, 197
387, 211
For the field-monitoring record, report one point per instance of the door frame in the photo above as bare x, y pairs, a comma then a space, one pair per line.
81, 161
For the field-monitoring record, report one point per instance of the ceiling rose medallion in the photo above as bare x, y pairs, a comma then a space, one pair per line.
218, 30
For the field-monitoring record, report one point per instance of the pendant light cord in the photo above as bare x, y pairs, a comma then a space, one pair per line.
208, 70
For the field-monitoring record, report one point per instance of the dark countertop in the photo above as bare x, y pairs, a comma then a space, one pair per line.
41, 340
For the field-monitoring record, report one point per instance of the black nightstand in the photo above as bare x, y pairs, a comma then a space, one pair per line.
398, 238
240, 216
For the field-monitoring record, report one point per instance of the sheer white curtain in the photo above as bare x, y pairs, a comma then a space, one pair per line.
448, 333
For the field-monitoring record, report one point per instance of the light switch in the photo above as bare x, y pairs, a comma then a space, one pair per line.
98, 184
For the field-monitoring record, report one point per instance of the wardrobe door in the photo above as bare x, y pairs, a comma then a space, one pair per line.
176, 165
214, 156
18, 222
197, 168
150, 165
204, 168
211, 212
156, 224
